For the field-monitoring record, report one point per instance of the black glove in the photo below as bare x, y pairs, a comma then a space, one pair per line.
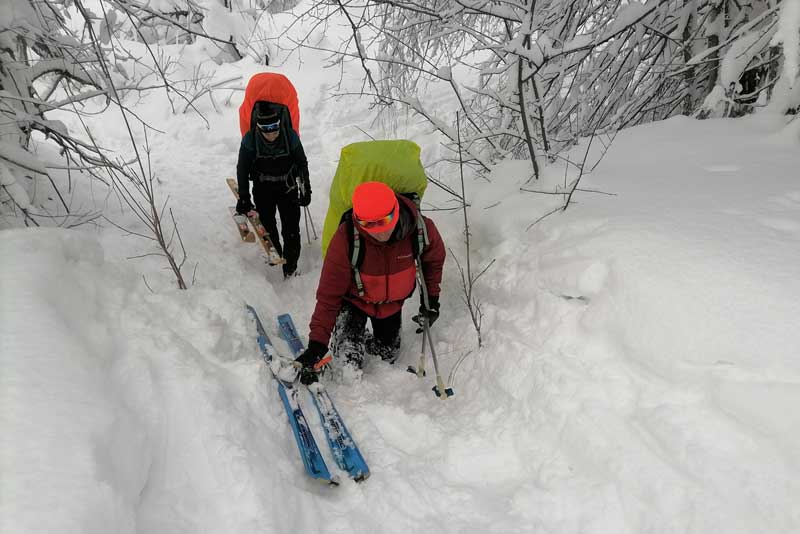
303, 191
429, 314
312, 360
243, 206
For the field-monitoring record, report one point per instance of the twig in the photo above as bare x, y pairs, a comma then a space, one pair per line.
543, 192
580, 175
362, 131
147, 285
555, 210
595, 191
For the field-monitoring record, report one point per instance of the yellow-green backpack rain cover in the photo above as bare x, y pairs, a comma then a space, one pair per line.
395, 163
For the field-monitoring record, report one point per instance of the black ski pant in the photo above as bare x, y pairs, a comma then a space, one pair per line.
350, 340
270, 197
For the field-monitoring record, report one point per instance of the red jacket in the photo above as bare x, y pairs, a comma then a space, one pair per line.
387, 272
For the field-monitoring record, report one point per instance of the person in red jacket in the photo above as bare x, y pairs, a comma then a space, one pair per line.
387, 224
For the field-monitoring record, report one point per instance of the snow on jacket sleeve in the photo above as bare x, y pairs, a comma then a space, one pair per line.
334, 283
433, 259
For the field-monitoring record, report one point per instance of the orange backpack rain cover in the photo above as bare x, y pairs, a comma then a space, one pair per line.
271, 87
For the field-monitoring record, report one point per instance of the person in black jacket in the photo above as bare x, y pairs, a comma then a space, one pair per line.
272, 157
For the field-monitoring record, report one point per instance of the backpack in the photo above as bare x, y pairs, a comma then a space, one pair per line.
269, 88
393, 162
356, 241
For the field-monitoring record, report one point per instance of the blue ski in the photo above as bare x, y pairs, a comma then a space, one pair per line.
344, 449
309, 452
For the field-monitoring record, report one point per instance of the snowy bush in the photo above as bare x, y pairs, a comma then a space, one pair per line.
68, 57
532, 78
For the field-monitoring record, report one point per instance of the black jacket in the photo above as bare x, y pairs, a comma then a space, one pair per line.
260, 162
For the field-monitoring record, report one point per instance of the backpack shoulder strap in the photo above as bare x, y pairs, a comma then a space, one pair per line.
418, 245
356, 248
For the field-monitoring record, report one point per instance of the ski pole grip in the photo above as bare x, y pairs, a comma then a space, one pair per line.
325, 360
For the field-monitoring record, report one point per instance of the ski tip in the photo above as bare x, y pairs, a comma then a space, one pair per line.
361, 477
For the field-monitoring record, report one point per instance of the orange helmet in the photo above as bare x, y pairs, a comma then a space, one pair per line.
375, 207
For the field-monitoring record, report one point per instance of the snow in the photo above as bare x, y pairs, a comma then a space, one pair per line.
580, 41
734, 62
629, 14
639, 371
787, 89
739, 55
789, 36
14, 154
11, 188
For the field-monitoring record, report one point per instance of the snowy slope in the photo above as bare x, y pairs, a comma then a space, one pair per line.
639, 372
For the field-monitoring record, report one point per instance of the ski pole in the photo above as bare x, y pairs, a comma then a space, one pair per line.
439, 389
420, 369
311, 220
305, 213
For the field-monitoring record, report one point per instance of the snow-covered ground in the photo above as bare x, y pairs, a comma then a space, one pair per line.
640, 369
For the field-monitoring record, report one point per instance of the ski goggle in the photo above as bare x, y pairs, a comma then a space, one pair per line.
383, 221
269, 127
